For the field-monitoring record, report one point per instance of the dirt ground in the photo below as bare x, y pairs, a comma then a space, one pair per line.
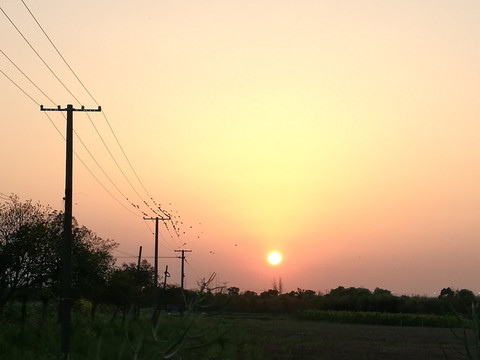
285, 339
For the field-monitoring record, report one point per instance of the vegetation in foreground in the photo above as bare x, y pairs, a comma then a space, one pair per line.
224, 336
191, 336
112, 321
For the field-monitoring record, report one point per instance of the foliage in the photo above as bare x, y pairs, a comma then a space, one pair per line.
470, 334
25, 241
377, 318
31, 237
130, 285
175, 337
344, 299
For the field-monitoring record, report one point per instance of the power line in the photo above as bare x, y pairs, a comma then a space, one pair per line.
171, 236
38, 55
19, 87
103, 186
175, 229
115, 161
56, 128
58, 52
4, 197
76, 134
104, 115
100, 167
61, 82
132, 168
124, 253
168, 218
60, 133
66, 254
27, 77
155, 274
182, 257
166, 242
191, 267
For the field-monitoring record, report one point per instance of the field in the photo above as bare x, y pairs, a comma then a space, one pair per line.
285, 338
228, 336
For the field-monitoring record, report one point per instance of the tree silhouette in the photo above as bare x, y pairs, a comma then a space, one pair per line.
30, 246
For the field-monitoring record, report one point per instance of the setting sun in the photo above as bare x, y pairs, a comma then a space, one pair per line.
274, 258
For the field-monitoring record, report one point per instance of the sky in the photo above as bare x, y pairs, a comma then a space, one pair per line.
342, 134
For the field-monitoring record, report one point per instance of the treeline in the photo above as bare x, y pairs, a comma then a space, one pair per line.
31, 237
345, 299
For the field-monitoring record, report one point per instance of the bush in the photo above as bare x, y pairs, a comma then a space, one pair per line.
377, 318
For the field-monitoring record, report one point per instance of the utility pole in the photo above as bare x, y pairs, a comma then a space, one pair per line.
66, 301
155, 256
155, 268
166, 275
183, 266
139, 257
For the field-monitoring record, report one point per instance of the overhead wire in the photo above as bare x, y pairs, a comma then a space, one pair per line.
4, 197
56, 76
166, 242
103, 171
196, 273
18, 86
76, 134
55, 126
116, 163
68, 90
162, 211
58, 52
173, 237
124, 253
38, 55
26, 76
104, 115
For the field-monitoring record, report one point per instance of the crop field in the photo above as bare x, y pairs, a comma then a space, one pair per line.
228, 336
286, 338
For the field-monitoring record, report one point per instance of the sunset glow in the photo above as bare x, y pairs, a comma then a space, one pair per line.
344, 134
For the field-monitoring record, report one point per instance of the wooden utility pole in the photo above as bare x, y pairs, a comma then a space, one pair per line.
155, 269
183, 266
66, 301
139, 257
155, 256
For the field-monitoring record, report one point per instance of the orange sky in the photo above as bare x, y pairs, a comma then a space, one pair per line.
341, 134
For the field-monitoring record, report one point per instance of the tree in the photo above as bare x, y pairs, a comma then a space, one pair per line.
92, 264
464, 300
233, 291
446, 293
25, 247
382, 292
31, 236
127, 284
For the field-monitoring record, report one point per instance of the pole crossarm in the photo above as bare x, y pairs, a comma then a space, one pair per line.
183, 252
155, 264
182, 276
158, 217
59, 108
66, 258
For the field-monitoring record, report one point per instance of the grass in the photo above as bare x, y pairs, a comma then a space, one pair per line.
287, 338
201, 336
192, 336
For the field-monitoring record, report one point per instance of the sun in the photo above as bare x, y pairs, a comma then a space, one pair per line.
274, 258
